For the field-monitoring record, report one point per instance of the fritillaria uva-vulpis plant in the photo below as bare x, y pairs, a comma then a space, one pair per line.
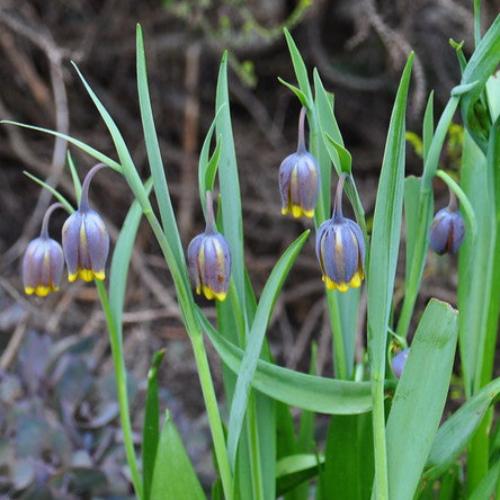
385, 438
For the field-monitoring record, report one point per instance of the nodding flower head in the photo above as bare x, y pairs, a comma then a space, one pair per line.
43, 261
399, 362
209, 259
340, 249
299, 179
447, 230
85, 239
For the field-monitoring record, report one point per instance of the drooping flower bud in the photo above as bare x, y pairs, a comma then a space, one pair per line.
299, 179
399, 362
85, 239
209, 259
43, 261
448, 229
340, 249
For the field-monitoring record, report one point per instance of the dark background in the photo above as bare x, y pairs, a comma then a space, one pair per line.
58, 428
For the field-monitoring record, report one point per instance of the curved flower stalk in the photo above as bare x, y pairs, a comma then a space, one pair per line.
43, 261
340, 248
85, 239
299, 179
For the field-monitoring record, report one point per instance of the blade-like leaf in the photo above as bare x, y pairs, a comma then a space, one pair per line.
383, 258
299, 94
57, 195
256, 339
488, 485
345, 157
300, 68
77, 185
454, 435
428, 127
174, 476
79, 144
310, 392
162, 194
420, 398
151, 431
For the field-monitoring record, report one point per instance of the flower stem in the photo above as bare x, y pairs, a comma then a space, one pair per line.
44, 232
121, 387
381, 488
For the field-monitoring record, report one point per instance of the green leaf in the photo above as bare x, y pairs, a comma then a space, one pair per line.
428, 127
120, 261
77, 185
298, 93
151, 431
383, 257
454, 435
160, 184
348, 471
481, 65
420, 398
310, 392
207, 166
487, 487
345, 157
229, 183
174, 476
128, 167
57, 195
256, 339
293, 470
300, 68
79, 144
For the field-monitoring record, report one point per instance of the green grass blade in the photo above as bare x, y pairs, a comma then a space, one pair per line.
57, 195
294, 470
77, 185
162, 194
256, 339
151, 430
174, 476
382, 267
488, 485
229, 183
428, 127
128, 167
298, 93
79, 144
454, 435
300, 68
309, 392
120, 262
420, 398
345, 158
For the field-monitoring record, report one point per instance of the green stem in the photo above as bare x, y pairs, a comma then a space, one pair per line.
338, 339
121, 387
253, 434
381, 488
214, 420
425, 205
195, 334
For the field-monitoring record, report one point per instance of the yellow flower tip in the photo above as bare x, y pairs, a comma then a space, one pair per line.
86, 275
28, 290
100, 275
297, 211
343, 287
309, 213
198, 290
284, 211
210, 294
72, 277
42, 291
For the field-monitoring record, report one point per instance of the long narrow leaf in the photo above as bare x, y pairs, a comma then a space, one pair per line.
382, 266
420, 398
151, 431
310, 392
154, 155
256, 339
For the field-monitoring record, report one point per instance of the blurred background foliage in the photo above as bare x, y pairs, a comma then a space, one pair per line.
59, 432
